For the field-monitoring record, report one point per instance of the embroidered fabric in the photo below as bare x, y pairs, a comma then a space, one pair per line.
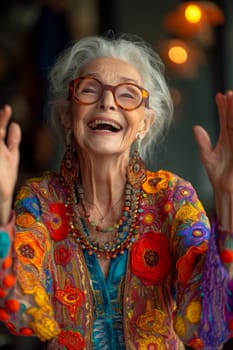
53, 287
213, 281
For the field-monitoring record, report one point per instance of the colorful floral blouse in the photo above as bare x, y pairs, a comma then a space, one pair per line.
170, 287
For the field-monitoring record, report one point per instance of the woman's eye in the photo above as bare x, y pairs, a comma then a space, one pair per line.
126, 95
88, 90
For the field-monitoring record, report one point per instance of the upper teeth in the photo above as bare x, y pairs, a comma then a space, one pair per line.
94, 123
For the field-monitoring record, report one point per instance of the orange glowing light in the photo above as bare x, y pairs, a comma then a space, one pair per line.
178, 54
182, 58
193, 13
194, 20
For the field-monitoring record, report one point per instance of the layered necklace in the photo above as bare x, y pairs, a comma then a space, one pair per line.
126, 230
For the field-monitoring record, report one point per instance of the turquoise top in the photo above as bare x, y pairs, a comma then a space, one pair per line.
108, 319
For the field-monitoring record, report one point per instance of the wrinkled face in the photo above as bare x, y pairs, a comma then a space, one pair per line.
103, 127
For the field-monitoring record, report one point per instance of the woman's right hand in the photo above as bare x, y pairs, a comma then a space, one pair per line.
9, 161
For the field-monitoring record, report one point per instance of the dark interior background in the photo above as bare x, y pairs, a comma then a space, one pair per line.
32, 33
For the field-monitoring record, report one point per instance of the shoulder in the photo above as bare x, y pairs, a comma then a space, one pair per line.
38, 194
41, 186
46, 177
162, 180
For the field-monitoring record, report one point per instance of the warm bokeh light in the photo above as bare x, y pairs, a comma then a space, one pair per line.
181, 58
178, 54
194, 20
193, 13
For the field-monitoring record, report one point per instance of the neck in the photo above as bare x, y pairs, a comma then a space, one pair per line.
103, 179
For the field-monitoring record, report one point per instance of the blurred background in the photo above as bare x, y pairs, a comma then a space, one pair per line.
194, 40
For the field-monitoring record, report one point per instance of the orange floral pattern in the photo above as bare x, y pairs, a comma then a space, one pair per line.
155, 184
29, 249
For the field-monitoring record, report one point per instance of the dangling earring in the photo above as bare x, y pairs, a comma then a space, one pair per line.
136, 167
69, 166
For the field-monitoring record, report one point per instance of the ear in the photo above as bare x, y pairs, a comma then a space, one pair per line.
146, 123
65, 118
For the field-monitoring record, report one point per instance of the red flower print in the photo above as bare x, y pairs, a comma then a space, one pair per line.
71, 340
57, 221
62, 255
150, 259
71, 297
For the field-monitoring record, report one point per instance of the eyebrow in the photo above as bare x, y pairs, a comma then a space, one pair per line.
123, 79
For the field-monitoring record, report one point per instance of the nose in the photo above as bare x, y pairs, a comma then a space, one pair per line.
107, 100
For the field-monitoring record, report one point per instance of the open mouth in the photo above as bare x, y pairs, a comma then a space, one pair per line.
105, 125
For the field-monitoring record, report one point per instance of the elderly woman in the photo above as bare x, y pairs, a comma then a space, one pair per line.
107, 254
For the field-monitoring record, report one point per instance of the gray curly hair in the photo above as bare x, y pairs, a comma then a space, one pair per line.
129, 48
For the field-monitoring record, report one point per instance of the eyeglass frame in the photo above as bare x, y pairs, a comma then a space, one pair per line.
110, 88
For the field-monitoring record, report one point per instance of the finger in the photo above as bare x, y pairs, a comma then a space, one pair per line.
13, 137
229, 117
221, 102
202, 139
5, 114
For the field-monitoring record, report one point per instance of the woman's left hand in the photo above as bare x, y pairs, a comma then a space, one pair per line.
218, 160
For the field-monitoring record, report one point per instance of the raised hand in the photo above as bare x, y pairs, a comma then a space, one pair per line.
218, 159
9, 161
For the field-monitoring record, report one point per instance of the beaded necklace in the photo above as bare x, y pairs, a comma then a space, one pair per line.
127, 230
114, 227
